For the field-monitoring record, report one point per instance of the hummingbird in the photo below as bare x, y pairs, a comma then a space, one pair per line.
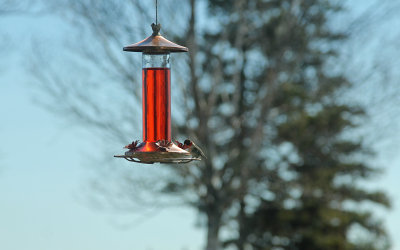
133, 145
193, 149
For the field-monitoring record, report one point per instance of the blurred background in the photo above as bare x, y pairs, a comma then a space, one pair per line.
295, 103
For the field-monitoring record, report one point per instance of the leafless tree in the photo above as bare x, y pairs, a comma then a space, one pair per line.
372, 67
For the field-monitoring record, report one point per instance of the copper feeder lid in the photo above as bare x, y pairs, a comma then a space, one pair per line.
155, 44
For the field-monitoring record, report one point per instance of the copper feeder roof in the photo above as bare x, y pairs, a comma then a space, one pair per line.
155, 44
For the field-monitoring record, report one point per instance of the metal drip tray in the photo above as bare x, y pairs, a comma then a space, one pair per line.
150, 152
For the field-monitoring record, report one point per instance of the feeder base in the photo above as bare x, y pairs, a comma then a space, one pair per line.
150, 152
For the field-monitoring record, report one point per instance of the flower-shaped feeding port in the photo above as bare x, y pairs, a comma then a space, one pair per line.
156, 105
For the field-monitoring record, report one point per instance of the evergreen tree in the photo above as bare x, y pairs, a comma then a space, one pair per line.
322, 199
315, 200
286, 101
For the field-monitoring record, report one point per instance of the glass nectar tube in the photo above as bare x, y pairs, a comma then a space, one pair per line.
156, 97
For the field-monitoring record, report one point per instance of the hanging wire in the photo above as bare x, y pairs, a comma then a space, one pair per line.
156, 12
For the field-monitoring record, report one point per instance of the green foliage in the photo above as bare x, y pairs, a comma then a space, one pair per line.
279, 127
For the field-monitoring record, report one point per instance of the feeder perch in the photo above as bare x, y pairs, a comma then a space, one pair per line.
156, 103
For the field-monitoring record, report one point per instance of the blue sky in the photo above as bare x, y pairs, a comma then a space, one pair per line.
43, 173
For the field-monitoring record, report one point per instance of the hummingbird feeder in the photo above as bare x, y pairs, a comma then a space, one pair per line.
156, 103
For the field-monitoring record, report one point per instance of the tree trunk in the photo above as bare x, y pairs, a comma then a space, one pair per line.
213, 225
242, 227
